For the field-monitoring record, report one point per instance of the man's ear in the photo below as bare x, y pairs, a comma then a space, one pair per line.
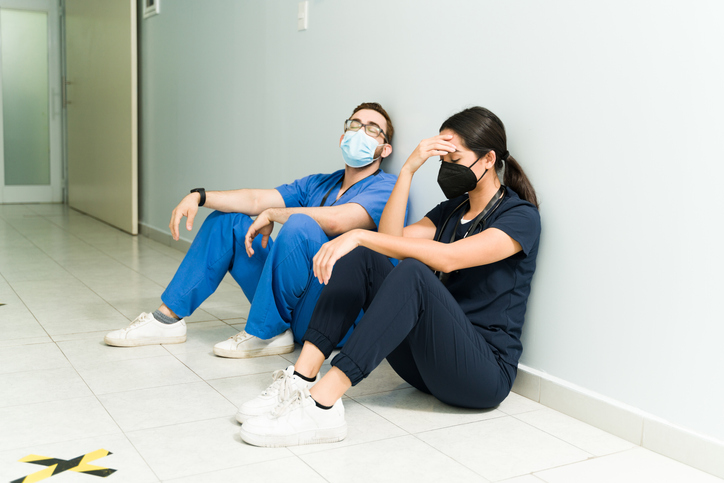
387, 150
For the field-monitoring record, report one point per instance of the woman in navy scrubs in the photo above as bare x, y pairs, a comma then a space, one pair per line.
448, 317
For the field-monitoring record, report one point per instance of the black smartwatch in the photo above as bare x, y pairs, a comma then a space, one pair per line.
202, 193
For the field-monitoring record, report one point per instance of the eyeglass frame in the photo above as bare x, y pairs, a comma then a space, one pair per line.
362, 125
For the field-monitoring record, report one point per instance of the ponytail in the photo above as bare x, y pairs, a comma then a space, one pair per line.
515, 178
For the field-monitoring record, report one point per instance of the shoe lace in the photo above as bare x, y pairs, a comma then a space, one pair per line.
282, 385
240, 337
291, 403
138, 321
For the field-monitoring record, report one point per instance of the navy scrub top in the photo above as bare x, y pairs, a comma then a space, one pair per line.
494, 296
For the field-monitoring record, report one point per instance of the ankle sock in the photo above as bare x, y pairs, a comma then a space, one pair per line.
304, 378
320, 406
163, 318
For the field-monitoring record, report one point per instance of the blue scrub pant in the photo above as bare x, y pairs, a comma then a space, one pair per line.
277, 280
412, 320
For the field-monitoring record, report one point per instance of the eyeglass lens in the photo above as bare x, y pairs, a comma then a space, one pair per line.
370, 129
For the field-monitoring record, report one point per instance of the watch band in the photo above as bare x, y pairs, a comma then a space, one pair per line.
202, 194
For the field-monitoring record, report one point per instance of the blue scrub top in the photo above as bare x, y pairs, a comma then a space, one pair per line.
494, 296
371, 193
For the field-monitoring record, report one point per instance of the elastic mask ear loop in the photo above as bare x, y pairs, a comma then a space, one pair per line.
380, 156
481, 176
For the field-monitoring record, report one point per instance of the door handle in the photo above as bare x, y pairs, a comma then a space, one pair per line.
66, 83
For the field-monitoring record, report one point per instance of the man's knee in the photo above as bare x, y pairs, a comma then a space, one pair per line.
301, 227
219, 219
299, 223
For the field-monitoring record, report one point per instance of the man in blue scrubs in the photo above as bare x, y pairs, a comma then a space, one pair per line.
276, 276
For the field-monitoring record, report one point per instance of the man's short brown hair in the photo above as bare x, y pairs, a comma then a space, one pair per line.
374, 106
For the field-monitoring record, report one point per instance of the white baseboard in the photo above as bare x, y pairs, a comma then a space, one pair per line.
626, 422
164, 238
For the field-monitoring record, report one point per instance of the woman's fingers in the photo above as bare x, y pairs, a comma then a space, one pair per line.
442, 146
323, 262
316, 264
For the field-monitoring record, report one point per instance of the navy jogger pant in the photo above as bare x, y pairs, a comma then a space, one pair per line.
412, 320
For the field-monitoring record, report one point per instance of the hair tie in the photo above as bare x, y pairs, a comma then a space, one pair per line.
505, 155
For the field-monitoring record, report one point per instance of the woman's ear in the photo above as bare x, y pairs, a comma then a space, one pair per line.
489, 160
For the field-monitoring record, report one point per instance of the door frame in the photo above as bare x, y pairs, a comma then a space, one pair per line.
54, 193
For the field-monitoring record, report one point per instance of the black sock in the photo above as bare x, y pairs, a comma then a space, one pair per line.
304, 378
320, 406
163, 318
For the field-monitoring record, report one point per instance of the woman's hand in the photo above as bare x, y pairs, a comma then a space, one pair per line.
262, 225
439, 145
332, 251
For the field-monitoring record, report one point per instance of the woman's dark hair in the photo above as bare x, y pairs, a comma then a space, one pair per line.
482, 132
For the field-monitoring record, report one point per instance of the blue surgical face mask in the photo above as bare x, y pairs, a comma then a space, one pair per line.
358, 149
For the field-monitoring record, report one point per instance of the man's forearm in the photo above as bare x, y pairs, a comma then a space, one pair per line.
247, 201
334, 220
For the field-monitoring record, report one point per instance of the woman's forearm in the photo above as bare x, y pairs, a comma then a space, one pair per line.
431, 253
392, 221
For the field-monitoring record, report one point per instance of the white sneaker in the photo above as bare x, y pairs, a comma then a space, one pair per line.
244, 345
284, 385
146, 330
296, 421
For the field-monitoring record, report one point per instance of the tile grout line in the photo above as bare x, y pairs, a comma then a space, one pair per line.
558, 437
74, 368
105, 253
44, 217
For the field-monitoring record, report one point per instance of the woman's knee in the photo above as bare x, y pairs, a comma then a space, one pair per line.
364, 260
360, 255
411, 271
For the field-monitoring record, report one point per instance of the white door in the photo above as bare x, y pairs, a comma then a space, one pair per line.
102, 114
30, 102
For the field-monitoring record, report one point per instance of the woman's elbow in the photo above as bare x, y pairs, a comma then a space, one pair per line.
444, 264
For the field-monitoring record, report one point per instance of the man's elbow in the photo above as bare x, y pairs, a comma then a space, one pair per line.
334, 227
339, 226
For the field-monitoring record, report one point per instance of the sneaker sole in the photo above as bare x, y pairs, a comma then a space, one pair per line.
147, 341
274, 351
317, 436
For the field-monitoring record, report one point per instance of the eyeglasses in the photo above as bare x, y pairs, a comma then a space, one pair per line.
371, 129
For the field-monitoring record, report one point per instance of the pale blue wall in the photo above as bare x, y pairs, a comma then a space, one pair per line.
614, 109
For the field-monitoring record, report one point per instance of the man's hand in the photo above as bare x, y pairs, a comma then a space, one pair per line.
188, 207
262, 225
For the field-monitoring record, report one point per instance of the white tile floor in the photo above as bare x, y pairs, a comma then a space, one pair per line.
166, 413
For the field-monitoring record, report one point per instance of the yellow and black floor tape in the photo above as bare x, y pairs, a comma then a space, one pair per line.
78, 464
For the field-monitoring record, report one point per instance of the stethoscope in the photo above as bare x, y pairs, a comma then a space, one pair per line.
339, 183
489, 209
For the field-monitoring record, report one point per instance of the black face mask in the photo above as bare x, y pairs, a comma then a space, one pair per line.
456, 179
